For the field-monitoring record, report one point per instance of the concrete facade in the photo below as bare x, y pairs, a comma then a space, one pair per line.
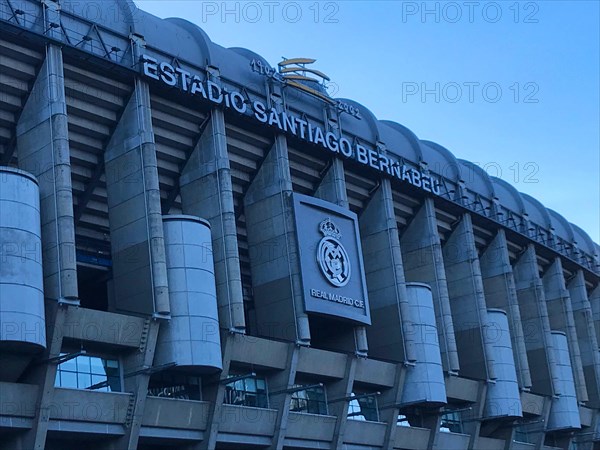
117, 142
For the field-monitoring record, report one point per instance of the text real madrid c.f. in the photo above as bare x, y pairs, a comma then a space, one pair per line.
300, 128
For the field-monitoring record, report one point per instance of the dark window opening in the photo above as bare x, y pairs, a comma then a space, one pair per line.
175, 385
312, 400
249, 391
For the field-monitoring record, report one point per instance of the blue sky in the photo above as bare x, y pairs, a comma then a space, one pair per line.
511, 85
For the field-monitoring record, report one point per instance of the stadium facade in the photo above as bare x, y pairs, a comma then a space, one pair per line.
201, 251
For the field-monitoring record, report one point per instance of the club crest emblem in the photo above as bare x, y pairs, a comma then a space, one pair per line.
332, 256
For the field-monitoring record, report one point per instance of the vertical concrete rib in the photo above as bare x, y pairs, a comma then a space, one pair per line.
333, 189
423, 262
215, 394
500, 292
469, 310
391, 335
134, 210
272, 244
207, 192
338, 394
536, 323
595, 303
389, 409
560, 312
586, 336
279, 383
43, 150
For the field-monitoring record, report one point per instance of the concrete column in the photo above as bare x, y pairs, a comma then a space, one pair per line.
43, 150
336, 391
138, 386
536, 323
423, 262
560, 312
280, 401
586, 337
134, 210
389, 410
595, 303
472, 425
207, 192
333, 189
469, 310
274, 255
390, 335
215, 394
500, 292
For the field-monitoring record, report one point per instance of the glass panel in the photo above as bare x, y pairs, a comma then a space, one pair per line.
83, 364
69, 365
68, 379
96, 366
84, 380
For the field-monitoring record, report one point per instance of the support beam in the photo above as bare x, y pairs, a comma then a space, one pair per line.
43, 150
391, 335
274, 253
560, 312
134, 210
586, 337
281, 382
333, 189
389, 410
341, 389
207, 192
536, 324
424, 263
500, 292
469, 309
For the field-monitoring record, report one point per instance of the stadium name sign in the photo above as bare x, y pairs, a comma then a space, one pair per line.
194, 85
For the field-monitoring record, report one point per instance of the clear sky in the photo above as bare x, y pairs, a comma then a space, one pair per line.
513, 86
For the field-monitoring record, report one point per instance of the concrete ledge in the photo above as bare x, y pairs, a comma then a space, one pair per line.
462, 389
312, 427
378, 373
321, 363
411, 438
77, 405
532, 403
365, 433
259, 352
248, 421
100, 326
175, 413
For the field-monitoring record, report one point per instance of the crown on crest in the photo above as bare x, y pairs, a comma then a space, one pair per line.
328, 228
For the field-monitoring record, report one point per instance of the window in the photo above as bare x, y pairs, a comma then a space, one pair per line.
451, 422
174, 385
249, 391
89, 372
525, 432
402, 421
363, 408
311, 400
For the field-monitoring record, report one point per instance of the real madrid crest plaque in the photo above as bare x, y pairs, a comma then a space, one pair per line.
333, 280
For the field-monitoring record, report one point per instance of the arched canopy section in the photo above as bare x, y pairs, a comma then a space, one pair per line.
476, 179
562, 228
181, 38
440, 160
537, 213
508, 196
365, 128
121, 16
584, 241
400, 141
250, 55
